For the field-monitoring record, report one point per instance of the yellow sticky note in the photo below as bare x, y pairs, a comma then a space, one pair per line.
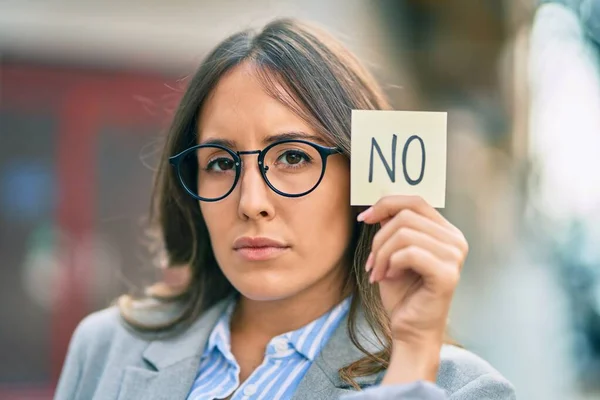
398, 152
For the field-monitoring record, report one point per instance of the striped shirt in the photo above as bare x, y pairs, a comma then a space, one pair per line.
287, 358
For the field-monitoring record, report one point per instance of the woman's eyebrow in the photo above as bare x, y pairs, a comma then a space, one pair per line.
232, 144
292, 135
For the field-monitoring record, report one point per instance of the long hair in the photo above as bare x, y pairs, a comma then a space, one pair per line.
322, 82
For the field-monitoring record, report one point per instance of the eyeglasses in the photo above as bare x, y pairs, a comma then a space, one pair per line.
291, 168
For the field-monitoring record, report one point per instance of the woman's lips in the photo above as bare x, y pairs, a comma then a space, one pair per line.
259, 248
261, 253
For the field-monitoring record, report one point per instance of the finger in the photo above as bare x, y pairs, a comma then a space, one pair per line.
406, 237
388, 206
409, 219
435, 273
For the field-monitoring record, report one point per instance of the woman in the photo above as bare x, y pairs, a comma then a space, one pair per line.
293, 293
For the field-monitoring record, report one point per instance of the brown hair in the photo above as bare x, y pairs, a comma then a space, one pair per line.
322, 82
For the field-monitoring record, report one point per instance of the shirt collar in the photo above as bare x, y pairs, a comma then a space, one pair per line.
220, 337
310, 339
307, 340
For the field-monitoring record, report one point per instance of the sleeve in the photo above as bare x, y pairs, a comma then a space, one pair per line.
486, 387
70, 375
419, 390
491, 386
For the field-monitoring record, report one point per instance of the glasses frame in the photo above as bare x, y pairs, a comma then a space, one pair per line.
324, 152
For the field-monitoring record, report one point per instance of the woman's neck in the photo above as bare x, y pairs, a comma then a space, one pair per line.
273, 317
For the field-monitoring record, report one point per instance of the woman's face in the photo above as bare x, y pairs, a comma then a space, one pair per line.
310, 234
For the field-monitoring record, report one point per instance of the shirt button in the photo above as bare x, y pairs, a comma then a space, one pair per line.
280, 345
250, 390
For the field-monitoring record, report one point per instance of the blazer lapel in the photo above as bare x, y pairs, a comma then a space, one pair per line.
173, 382
322, 380
172, 362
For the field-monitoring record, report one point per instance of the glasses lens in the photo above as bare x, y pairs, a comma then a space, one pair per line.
216, 172
293, 167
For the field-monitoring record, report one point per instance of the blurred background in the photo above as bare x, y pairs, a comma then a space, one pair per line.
88, 88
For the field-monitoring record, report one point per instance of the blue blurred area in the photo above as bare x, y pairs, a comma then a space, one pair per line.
27, 190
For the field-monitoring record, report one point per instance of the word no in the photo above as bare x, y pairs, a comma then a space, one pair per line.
392, 171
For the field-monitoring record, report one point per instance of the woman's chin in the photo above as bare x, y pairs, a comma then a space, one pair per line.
267, 287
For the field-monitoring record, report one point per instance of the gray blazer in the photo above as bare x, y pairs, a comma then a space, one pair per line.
106, 360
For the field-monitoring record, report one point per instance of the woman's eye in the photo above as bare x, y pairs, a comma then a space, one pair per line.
220, 164
294, 157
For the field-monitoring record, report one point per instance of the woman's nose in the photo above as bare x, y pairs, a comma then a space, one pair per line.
255, 195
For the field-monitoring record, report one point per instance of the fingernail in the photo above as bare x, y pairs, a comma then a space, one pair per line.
365, 214
369, 263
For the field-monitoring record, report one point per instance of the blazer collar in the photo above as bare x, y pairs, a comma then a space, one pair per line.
189, 343
174, 362
322, 380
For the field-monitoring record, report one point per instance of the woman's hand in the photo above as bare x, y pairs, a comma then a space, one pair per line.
416, 258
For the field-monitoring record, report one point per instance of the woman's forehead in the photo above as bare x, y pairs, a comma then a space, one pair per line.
240, 107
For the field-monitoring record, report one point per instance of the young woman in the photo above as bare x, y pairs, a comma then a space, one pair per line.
292, 293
